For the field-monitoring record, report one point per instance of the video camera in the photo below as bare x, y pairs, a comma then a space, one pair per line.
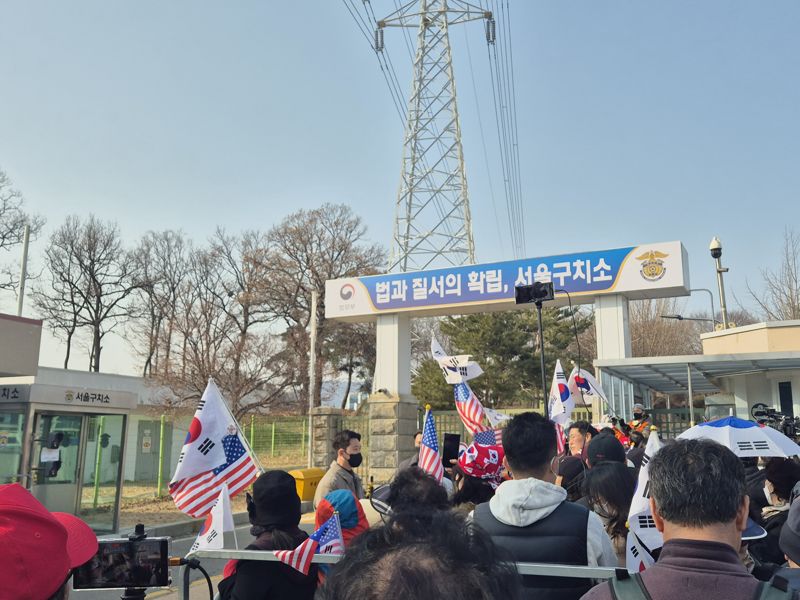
786, 424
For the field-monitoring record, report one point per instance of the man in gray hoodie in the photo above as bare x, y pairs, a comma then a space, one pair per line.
530, 516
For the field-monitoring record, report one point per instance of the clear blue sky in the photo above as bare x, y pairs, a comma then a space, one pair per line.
638, 121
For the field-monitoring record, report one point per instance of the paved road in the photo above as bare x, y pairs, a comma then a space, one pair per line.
180, 547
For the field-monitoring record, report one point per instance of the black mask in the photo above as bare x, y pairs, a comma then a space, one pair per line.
355, 460
638, 416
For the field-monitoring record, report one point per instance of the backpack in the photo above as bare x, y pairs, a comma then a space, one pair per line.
625, 586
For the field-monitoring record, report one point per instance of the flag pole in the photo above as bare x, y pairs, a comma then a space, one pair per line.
242, 437
339, 525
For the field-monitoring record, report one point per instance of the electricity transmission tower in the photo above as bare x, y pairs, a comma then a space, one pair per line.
432, 225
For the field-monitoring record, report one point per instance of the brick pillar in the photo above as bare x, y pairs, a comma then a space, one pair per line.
392, 423
325, 423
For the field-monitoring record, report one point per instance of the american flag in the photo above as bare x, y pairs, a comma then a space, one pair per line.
196, 495
561, 444
490, 437
325, 540
430, 460
469, 408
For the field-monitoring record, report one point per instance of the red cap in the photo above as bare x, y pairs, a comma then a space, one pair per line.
39, 548
483, 462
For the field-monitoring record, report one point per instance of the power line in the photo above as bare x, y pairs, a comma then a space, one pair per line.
483, 144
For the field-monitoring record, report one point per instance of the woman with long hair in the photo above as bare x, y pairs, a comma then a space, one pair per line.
609, 488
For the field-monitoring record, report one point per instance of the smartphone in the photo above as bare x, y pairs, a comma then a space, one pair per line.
450, 448
122, 563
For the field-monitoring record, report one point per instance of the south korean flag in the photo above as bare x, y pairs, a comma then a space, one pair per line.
640, 519
218, 521
202, 450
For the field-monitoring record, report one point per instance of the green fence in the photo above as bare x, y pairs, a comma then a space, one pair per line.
278, 442
671, 422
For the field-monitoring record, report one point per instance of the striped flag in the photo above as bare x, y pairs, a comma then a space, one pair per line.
218, 521
325, 540
469, 408
196, 495
489, 437
198, 481
430, 460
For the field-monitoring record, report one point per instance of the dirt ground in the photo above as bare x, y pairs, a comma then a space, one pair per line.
139, 505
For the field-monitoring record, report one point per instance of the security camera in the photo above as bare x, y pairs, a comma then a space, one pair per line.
716, 248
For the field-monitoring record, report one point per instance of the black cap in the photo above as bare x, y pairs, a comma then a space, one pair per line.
275, 501
605, 448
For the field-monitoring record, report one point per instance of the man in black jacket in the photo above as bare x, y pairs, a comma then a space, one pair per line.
530, 517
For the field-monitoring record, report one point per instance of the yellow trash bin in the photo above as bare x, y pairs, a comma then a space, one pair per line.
307, 481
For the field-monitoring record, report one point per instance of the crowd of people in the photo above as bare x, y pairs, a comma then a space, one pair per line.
730, 528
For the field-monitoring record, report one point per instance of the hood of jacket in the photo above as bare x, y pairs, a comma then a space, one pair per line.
522, 502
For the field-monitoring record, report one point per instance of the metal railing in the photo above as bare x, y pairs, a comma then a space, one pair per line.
541, 569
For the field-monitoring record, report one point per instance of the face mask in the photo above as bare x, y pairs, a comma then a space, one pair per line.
637, 416
768, 494
355, 460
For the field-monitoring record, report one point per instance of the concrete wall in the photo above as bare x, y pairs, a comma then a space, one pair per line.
761, 388
776, 336
19, 350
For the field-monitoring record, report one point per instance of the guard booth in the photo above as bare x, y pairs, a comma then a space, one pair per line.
62, 435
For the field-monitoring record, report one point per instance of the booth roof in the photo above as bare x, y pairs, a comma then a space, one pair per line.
670, 374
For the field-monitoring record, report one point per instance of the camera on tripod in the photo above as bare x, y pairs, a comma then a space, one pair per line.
786, 424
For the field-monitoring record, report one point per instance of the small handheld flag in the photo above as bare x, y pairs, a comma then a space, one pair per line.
469, 408
218, 521
325, 540
430, 460
582, 383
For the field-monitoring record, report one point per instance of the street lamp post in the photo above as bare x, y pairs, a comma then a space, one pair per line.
716, 253
711, 298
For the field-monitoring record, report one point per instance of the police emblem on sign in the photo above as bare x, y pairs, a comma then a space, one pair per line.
653, 267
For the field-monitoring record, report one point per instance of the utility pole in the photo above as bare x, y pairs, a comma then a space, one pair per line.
23, 269
312, 372
432, 224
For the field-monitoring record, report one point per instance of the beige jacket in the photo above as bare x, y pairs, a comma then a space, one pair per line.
338, 478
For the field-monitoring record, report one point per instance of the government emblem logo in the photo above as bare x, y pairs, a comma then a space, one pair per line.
653, 267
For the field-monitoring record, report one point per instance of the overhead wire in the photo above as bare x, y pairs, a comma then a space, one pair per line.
504, 99
483, 145
506, 111
505, 117
494, 73
393, 83
515, 126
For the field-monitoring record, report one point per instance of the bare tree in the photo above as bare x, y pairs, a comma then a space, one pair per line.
306, 249
91, 278
162, 264
780, 298
59, 303
352, 353
12, 226
651, 335
221, 329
